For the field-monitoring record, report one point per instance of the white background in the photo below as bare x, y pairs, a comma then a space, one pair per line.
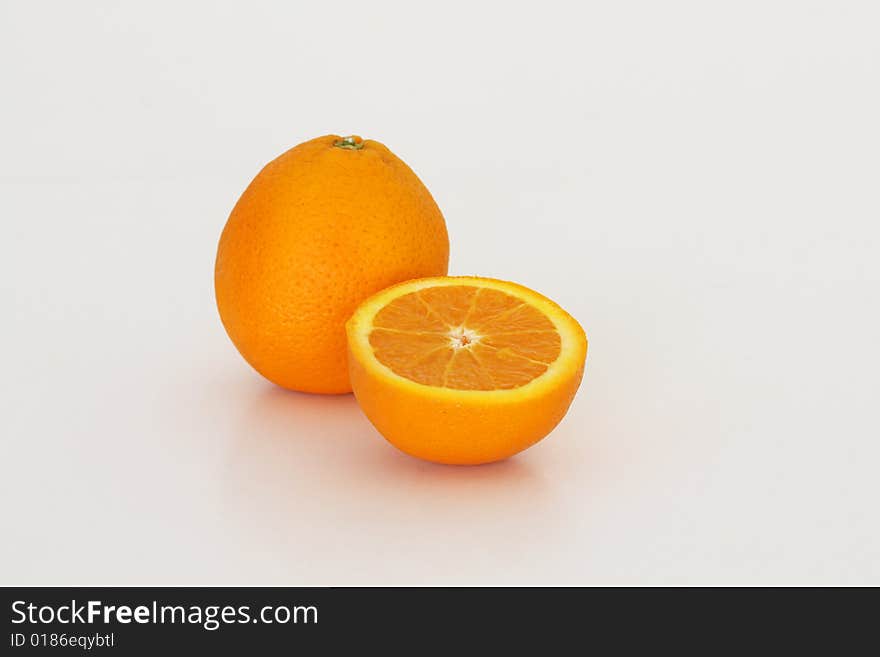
696, 182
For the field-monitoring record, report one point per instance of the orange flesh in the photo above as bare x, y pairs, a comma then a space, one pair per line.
464, 337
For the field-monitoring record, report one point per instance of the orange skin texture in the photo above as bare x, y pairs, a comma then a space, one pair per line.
466, 433
316, 232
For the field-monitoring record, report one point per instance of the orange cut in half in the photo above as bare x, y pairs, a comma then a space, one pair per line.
464, 370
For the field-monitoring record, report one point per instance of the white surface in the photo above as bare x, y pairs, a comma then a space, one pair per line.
697, 184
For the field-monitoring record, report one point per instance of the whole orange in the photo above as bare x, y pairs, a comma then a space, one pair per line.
320, 229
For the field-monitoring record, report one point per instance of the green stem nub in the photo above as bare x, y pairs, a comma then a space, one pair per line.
353, 143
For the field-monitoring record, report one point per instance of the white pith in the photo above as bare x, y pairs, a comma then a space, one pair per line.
461, 337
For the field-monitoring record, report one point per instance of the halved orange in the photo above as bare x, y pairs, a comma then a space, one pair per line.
464, 370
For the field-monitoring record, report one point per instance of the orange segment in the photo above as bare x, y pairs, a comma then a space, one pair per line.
409, 313
464, 337
421, 357
506, 368
403, 348
542, 346
519, 318
465, 372
495, 302
452, 304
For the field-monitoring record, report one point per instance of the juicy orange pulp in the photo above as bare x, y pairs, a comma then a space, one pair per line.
465, 338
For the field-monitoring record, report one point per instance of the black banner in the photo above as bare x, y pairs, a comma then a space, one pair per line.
149, 621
